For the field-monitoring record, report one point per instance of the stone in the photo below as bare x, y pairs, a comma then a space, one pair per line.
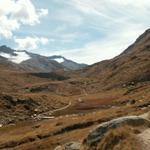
59, 148
98, 133
73, 146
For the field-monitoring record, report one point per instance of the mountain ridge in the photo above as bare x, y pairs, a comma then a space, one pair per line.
132, 65
34, 62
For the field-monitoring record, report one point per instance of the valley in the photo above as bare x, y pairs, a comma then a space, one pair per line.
42, 110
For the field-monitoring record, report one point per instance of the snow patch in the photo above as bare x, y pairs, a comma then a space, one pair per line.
20, 57
59, 60
5, 55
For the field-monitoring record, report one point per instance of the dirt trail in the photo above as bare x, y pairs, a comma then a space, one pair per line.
60, 109
48, 115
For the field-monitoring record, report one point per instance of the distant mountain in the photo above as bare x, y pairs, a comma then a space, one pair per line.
33, 62
69, 64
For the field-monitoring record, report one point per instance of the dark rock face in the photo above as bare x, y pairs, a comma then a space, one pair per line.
98, 133
7, 50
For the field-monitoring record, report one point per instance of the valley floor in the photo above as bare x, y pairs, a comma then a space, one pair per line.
73, 121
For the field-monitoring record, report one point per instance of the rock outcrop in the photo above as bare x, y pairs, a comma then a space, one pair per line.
96, 135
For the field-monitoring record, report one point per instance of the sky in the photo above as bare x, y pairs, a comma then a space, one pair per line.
86, 31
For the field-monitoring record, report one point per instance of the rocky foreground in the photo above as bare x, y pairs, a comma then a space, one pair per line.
138, 125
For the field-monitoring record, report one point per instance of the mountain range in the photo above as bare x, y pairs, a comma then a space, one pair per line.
31, 62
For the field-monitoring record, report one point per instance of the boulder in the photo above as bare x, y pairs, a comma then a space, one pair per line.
99, 132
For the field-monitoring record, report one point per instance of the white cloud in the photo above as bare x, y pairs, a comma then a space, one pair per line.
43, 12
7, 26
117, 22
101, 29
30, 43
14, 13
67, 17
62, 35
107, 48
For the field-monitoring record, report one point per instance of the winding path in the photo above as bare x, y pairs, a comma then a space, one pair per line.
62, 108
48, 115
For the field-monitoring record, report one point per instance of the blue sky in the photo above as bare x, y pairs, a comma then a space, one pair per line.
85, 31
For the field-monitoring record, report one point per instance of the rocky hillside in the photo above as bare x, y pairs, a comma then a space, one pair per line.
130, 67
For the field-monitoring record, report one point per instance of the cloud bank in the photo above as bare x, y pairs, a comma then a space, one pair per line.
112, 26
30, 43
14, 13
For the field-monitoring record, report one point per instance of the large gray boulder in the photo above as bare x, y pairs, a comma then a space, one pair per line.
99, 132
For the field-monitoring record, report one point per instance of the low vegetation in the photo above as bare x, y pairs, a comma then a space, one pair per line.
118, 139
